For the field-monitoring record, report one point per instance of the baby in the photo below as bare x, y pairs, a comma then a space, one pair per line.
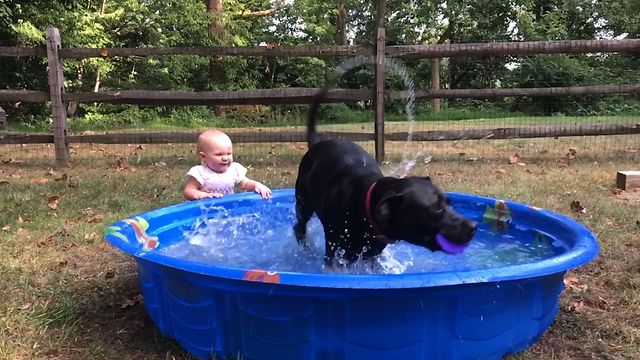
218, 174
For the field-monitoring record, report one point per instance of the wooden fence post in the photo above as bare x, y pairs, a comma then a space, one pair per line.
56, 90
3, 118
378, 100
435, 82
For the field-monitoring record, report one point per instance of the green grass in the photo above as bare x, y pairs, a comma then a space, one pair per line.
197, 117
62, 288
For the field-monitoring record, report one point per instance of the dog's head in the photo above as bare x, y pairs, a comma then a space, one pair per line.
416, 210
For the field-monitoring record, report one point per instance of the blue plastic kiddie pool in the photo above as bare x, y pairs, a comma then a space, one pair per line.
258, 313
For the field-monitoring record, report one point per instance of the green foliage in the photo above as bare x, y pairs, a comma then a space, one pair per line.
156, 23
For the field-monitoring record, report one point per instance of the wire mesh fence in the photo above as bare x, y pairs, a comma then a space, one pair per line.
557, 105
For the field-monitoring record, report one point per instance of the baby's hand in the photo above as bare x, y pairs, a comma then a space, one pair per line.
264, 191
206, 195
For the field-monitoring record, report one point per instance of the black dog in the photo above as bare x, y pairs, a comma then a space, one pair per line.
361, 210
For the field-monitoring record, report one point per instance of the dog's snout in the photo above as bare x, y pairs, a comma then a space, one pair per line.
472, 227
460, 228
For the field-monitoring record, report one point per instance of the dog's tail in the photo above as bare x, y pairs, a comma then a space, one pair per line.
312, 134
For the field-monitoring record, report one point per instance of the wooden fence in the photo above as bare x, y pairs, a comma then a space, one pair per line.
57, 96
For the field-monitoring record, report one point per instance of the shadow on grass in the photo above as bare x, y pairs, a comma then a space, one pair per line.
104, 318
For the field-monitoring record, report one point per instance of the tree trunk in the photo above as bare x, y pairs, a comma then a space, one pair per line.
341, 25
453, 65
216, 31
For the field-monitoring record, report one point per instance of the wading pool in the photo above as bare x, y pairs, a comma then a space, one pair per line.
492, 303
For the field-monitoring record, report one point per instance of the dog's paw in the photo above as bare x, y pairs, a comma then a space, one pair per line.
300, 232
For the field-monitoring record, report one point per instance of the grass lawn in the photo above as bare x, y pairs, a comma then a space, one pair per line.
66, 294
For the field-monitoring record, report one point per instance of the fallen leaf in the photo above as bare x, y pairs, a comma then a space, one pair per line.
122, 164
160, 164
45, 241
63, 231
69, 246
39, 181
109, 274
64, 177
24, 307
577, 207
95, 219
577, 306
63, 263
6, 228
53, 202
631, 195
571, 280
603, 302
514, 159
127, 303
23, 219
140, 147
12, 161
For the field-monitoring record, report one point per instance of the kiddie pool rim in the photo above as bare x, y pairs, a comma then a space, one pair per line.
584, 250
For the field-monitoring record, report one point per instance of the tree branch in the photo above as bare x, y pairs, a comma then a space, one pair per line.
257, 13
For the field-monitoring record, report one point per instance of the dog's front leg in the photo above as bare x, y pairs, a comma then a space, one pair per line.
303, 214
334, 251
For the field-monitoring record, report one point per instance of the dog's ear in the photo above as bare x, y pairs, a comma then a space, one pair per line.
387, 206
428, 178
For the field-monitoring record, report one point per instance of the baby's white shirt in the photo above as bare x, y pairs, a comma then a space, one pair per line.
213, 182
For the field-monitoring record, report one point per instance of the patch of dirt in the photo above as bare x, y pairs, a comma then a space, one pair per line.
628, 195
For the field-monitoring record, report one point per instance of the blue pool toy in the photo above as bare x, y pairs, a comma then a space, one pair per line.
213, 310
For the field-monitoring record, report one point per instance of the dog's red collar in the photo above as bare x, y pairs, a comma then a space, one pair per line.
368, 211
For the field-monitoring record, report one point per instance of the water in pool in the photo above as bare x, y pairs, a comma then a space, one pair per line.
248, 240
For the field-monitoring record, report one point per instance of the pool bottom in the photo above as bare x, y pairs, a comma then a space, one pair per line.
212, 317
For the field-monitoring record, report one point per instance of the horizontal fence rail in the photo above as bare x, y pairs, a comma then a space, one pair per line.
301, 136
396, 51
301, 95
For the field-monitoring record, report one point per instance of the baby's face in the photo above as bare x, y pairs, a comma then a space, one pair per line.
218, 154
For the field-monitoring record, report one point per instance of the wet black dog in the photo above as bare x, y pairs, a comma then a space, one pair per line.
363, 211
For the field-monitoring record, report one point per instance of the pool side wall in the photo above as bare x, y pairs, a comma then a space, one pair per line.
212, 317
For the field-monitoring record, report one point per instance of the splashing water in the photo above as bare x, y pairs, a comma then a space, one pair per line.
261, 237
408, 161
